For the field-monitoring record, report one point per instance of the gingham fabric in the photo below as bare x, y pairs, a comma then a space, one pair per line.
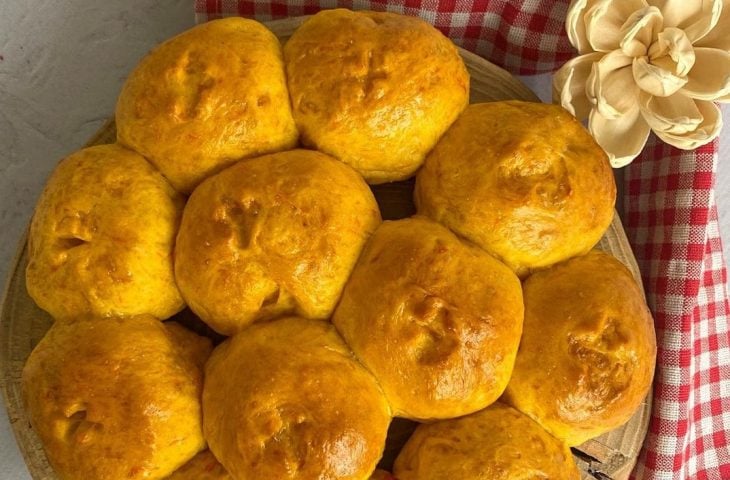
671, 222
672, 226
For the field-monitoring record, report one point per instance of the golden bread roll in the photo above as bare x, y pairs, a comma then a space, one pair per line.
374, 89
117, 399
102, 237
588, 350
273, 235
525, 181
203, 466
207, 98
498, 443
286, 400
437, 321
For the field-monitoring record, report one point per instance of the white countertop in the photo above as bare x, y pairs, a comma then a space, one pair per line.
62, 63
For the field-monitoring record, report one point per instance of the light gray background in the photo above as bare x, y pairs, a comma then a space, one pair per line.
62, 64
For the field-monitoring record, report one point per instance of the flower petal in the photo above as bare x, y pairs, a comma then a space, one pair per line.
576, 27
603, 22
709, 79
706, 132
611, 87
640, 30
569, 84
621, 138
719, 36
677, 114
674, 43
696, 17
706, 20
654, 79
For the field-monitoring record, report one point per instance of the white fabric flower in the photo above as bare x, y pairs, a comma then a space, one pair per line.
647, 65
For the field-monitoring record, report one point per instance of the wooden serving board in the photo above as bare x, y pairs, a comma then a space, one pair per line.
23, 324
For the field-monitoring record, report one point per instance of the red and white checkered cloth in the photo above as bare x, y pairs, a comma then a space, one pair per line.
671, 221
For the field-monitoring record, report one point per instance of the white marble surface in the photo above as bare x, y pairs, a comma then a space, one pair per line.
62, 63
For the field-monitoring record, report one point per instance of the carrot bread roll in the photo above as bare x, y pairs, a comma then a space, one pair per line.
118, 398
588, 350
286, 400
374, 89
498, 443
102, 237
207, 98
274, 235
525, 181
436, 320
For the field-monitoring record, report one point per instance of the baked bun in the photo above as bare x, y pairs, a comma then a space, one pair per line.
525, 181
286, 400
207, 98
498, 443
437, 321
102, 236
273, 235
203, 466
374, 89
588, 349
118, 398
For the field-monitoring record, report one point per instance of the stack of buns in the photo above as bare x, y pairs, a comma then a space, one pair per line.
238, 187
